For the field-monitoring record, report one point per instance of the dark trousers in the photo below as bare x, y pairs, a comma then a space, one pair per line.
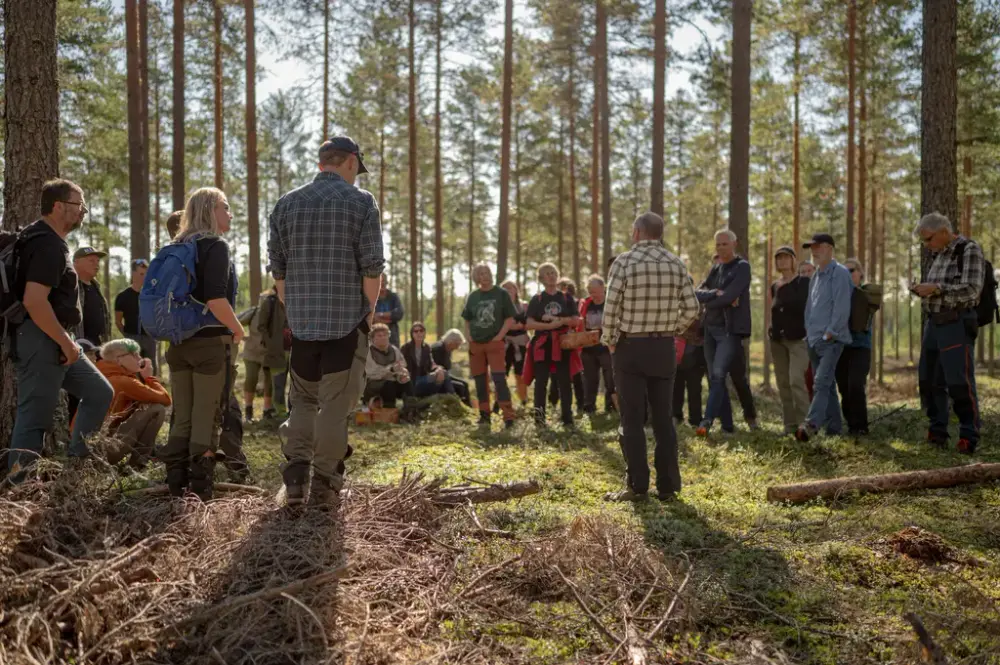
947, 369
564, 383
852, 382
689, 376
389, 391
597, 363
579, 391
724, 356
461, 388
644, 370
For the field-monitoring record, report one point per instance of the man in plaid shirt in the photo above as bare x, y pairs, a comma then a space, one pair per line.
650, 300
325, 253
950, 290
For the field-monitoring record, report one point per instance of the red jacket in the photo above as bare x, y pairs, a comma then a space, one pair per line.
536, 353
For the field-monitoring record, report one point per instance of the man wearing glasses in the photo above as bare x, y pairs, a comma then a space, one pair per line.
47, 355
127, 313
950, 291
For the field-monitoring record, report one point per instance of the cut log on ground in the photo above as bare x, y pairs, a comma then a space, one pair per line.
890, 482
501, 492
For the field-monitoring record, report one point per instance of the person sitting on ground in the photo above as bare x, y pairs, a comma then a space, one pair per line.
428, 377
489, 314
441, 355
516, 342
264, 350
139, 406
386, 373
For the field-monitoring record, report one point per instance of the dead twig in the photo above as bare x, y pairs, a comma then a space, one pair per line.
931, 651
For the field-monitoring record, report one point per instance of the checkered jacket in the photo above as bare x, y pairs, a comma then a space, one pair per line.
649, 290
325, 237
959, 289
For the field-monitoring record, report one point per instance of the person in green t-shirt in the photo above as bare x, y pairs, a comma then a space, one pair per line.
489, 314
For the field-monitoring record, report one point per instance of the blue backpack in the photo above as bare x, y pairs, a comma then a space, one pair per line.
167, 309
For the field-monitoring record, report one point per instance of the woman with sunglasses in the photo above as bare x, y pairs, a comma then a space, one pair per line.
429, 378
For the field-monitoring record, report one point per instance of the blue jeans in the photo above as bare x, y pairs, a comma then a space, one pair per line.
825, 408
722, 350
947, 370
426, 386
39, 378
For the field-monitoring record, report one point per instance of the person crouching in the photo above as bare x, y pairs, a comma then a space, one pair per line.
388, 378
140, 402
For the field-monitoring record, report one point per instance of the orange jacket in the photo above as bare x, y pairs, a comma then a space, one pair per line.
130, 391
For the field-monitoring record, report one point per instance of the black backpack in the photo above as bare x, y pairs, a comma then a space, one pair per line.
988, 309
11, 307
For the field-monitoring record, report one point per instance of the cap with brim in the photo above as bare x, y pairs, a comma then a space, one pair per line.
345, 144
785, 249
88, 251
818, 239
86, 345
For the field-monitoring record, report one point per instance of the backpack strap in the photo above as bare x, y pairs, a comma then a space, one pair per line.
960, 248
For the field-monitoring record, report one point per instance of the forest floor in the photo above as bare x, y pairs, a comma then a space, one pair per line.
561, 576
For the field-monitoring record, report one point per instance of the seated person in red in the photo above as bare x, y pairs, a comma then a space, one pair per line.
139, 406
386, 373
428, 377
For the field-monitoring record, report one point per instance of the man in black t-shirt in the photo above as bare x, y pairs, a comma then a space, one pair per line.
47, 357
94, 327
127, 313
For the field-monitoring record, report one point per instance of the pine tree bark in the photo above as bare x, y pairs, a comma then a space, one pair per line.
503, 224
326, 70
573, 213
144, 109
862, 156
938, 105
851, 29
138, 199
659, 84
519, 267
797, 180
595, 162
157, 213
560, 200
414, 249
438, 192
31, 140
253, 215
881, 279
602, 42
739, 164
873, 245
474, 128
217, 80
178, 183
967, 217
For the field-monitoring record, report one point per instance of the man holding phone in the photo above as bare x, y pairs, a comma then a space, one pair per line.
950, 292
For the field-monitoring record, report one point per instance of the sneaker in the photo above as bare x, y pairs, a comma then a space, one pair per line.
805, 432
966, 447
703, 428
625, 495
295, 476
323, 495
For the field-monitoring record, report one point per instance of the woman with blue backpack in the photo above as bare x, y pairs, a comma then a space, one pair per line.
197, 317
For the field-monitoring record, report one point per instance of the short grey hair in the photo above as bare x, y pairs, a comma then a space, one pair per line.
725, 232
454, 335
933, 221
649, 225
857, 264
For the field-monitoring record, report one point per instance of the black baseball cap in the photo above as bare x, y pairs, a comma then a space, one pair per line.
820, 238
345, 144
785, 249
88, 251
86, 345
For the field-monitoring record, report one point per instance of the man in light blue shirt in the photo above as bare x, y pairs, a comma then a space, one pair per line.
828, 312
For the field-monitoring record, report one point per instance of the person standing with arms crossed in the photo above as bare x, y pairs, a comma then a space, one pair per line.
650, 301
326, 256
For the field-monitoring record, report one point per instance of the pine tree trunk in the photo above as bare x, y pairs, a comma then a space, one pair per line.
993, 325
503, 224
573, 213
881, 279
862, 146
438, 192
897, 270
938, 104
768, 276
253, 216
31, 141
796, 184
873, 244
178, 184
144, 111
157, 213
138, 200
519, 274
967, 217
909, 309
739, 164
326, 70
852, 11
414, 249
595, 162
659, 84
602, 42
472, 198
217, 79
560, 199
381, 167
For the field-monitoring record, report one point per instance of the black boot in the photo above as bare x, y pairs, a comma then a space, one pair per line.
295, 475
248, 412
177, 478
202, 476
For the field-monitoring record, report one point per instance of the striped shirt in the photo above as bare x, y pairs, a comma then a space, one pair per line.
959, 289
649, 290
325, 237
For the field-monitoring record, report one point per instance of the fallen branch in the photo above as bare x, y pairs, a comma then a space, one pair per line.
932, 652
891, 482
670, 609
163, 490
453, 496
586, 610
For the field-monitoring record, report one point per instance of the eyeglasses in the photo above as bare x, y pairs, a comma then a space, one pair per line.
140, 263
853, 270
83, 206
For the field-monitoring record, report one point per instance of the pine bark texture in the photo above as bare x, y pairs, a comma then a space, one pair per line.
438, 192
659, 85
178, 184
739, 163
253, 215
138, 183
602, 43
851, 29
938, 105
414, 249
217, 82
503, 225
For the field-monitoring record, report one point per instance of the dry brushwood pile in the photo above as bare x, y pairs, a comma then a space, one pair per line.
89, 575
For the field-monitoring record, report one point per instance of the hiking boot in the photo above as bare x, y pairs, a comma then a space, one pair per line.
752, 424
666, 497
937, 440
805, 432
625, 495
269, 414
177, 478
508, 424
295, 475
322, 494
248, 412
202, 476
484, 418
966, 447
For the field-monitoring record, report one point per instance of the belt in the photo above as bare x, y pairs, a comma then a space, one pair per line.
647, 334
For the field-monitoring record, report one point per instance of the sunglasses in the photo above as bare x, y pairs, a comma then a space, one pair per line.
416, 330
853, 270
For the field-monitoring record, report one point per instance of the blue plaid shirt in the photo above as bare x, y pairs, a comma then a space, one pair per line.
325, 237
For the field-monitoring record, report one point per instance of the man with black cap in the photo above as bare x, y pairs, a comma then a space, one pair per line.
787, 334
827, 315
95, 324
325, 253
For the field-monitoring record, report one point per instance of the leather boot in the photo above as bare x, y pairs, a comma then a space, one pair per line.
296, 476
323, 494
177, 478
202, 475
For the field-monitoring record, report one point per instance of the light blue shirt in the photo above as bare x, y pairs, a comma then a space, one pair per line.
828, 309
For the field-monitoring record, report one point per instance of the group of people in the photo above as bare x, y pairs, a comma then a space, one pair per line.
332, 326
